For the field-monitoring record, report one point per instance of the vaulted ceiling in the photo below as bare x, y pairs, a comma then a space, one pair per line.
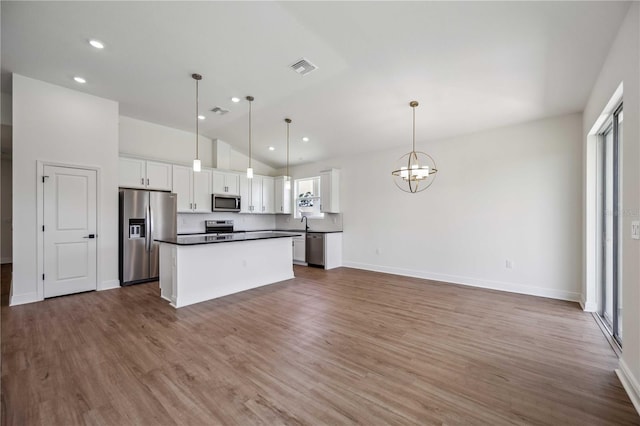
471, 65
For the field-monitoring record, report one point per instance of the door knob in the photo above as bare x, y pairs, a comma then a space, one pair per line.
90, 236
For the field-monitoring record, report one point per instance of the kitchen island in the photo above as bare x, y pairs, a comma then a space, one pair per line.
196, 268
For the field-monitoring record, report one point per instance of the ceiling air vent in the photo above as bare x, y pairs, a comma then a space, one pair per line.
219, 110
303, 67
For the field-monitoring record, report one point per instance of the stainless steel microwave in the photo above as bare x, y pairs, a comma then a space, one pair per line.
225, 203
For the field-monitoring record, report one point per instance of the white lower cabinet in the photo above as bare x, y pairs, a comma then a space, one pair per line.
193, 189
299, 249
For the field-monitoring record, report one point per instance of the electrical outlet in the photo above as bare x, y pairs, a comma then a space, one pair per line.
378, 251
508, 264
635, 230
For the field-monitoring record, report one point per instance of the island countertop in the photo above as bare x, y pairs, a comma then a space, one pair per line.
190, 240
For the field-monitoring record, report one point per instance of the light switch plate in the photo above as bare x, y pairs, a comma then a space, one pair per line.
635, 230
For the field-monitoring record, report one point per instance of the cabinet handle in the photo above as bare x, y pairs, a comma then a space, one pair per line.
190, 206
141, 181
147, 181
195, 206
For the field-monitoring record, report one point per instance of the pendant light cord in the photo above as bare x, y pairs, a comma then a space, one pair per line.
288, 122
413, 108
197, 119
249, 133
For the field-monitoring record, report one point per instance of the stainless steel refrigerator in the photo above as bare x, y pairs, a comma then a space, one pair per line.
144, 217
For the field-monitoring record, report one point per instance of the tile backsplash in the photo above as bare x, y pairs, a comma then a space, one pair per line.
330, 222
194, 222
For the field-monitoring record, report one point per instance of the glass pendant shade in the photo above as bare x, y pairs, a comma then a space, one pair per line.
415, 171
197, 166
250, 173
287, 183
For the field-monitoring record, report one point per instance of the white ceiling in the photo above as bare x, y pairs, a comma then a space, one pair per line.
471, 65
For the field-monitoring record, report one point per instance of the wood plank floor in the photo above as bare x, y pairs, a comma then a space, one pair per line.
328, 347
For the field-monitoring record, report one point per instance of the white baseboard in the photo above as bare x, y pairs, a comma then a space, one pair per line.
629, 383
473, 282
21, 299
4, 260
109, 284
588, 306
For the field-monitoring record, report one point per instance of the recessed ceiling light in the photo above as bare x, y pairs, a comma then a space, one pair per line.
234, 99
305, 139
271, 148
79, 80
201, 117
97, 44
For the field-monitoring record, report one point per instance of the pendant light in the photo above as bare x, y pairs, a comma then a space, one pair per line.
287, 178
416, 170
249, 169
197, 166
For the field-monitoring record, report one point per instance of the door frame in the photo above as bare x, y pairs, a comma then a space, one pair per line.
590, 296
40, 165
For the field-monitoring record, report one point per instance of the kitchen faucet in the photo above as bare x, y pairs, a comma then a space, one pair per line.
306, 223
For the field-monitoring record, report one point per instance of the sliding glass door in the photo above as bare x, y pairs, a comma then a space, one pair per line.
610, 308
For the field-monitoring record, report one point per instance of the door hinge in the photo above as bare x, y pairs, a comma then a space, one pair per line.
42, 277
44, 178
42, 228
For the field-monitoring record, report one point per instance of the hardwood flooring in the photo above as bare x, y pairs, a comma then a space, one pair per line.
328, 347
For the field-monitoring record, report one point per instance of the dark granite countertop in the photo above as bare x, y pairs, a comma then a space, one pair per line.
191, 240
300, 231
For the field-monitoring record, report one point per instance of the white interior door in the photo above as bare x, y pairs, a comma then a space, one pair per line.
70, 223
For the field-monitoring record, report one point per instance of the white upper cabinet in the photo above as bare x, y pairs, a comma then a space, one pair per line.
159, 176
226, 183
136, 173
202, 191
193, 189
245, 194
267, 195
330, 191
282, 196
256, 194
183, 188
132, 173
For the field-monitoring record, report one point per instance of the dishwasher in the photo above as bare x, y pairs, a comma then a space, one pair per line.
314, 249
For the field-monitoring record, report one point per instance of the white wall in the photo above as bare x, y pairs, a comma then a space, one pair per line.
51, 123
622, 66
154, 141
510, 193
5, 211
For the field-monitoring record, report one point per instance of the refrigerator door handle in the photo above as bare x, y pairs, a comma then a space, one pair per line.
147, 224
